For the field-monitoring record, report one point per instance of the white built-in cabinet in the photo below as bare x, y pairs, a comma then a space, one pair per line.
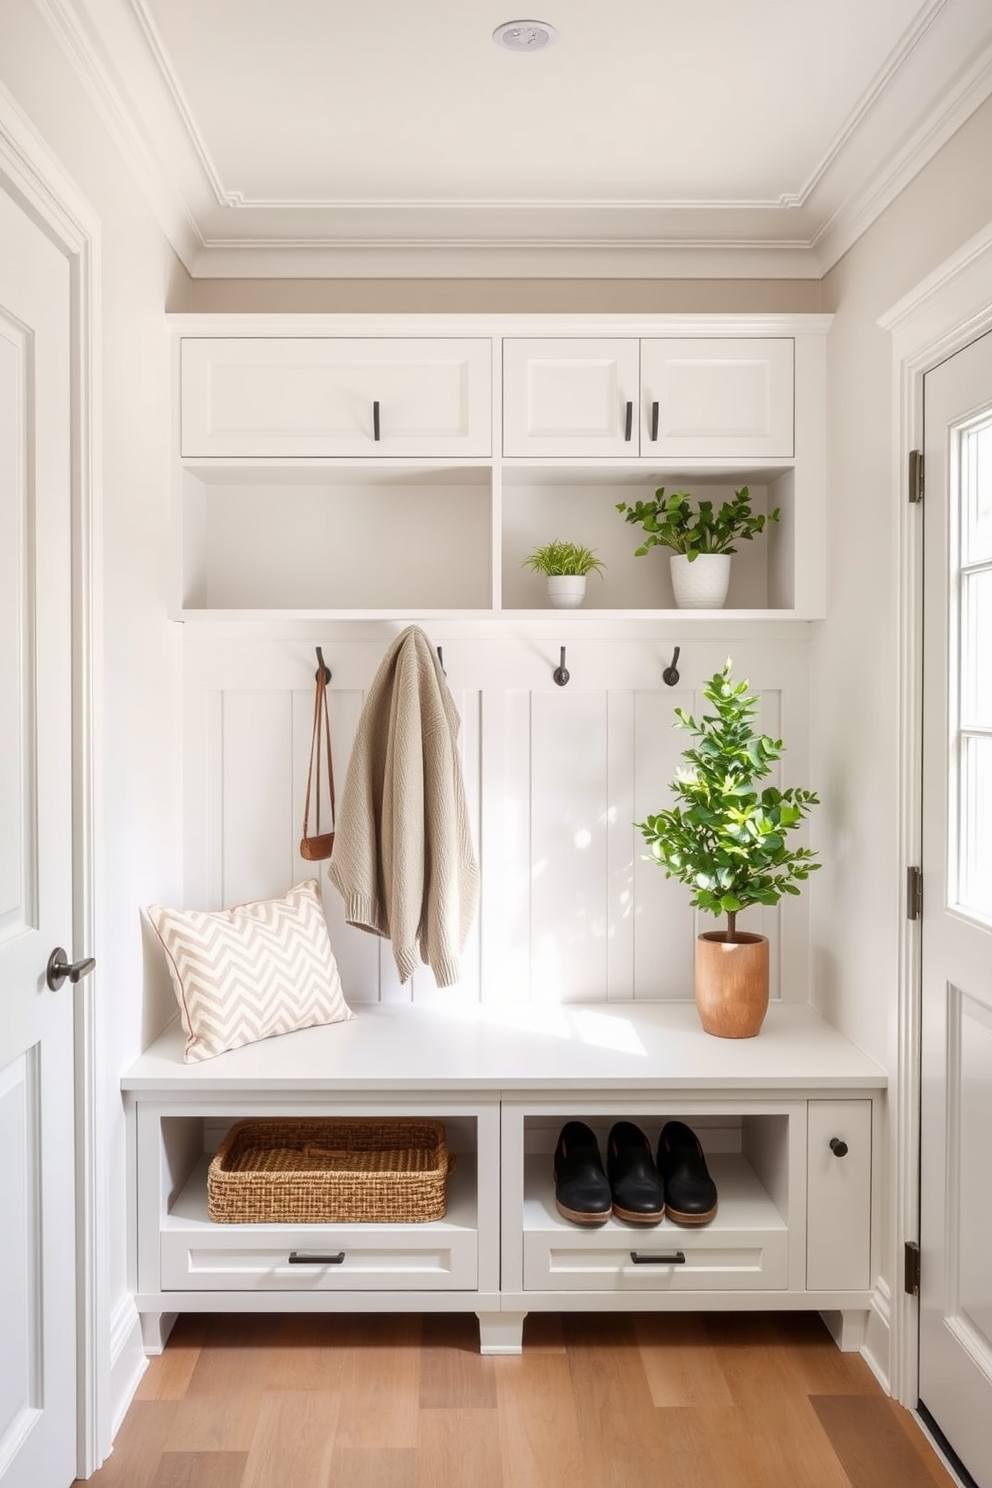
660, 397
332, 467
335, 472
789, 1123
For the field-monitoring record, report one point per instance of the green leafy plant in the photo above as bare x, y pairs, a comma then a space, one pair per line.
557, 558
726, 840
692, 528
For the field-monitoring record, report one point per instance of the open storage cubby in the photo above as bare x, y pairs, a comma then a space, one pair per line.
329, 539
199, 1254
579, 505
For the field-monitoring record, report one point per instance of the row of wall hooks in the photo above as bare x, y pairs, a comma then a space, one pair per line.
669, 676
561, 674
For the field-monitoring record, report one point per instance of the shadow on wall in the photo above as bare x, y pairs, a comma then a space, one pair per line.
158, 1003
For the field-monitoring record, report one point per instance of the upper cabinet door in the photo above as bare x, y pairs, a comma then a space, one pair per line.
317, 396
702, 397
570, 397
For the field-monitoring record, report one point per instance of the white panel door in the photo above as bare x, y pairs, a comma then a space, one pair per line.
956, 1099
570, 397
713, 397
37, 1232
299, 396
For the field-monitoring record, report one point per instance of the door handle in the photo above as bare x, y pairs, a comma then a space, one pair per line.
658, 1258
375, 420
315, 1258
59, 969
628, 423
654, 423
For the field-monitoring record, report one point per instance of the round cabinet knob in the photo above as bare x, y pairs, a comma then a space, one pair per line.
838, 1147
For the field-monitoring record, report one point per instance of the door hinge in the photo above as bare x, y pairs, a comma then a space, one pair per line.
915, 476
912, 1268
914, 893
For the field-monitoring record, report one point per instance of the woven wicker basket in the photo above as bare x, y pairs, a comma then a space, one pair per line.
330, 1171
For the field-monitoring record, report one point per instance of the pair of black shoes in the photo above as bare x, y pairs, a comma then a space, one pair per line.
638, 1189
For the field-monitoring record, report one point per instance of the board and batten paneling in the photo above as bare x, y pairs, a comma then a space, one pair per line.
556, 778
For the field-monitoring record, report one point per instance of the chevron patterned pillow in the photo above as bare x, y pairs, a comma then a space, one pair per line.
247, 973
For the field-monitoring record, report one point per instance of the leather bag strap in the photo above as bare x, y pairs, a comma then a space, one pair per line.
321, 734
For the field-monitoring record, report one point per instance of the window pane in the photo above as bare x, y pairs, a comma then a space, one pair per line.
976, 493
976, 649
975, 826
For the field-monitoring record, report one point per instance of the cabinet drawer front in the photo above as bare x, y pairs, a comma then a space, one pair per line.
724, 1260
256, 1261
570, 397
838, 1215
730, 397
312, 396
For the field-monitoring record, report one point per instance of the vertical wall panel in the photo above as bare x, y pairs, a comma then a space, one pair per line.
555, 780
568, 792
664, 933
257, 794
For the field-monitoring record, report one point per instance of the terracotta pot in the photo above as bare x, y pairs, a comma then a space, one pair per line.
731, 983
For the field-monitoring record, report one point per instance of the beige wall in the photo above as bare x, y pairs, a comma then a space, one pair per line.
858, 895
503, 296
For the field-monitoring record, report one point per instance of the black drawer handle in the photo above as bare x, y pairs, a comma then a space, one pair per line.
672, 1258
838, 1147
628, 427
654, 422
375, 420
314, 1258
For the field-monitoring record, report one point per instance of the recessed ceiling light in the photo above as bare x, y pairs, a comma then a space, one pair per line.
524, 36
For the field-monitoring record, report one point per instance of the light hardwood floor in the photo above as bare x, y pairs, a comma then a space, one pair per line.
665, 1400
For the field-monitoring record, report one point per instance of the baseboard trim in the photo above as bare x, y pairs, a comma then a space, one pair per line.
877, 1347
127, 1359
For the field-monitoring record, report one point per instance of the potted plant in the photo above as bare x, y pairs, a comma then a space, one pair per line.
566, 565
726, 841
701, 539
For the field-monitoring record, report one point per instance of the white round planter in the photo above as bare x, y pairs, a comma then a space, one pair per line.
566, 591
702, 584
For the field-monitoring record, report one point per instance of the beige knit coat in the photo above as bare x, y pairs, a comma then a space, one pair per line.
403, 857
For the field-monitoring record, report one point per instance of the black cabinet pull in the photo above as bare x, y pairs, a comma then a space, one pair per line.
654, 422
628, 428
838, 1147
375, 420
671, 1258
314, 1258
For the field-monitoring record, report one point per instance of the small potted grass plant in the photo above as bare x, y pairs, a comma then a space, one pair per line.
701, 538
566, 566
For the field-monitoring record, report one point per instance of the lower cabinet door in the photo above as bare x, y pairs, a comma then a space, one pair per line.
838, 1201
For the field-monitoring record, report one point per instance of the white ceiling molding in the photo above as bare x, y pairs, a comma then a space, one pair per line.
239, 184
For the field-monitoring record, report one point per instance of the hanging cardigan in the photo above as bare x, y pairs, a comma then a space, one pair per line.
403, 858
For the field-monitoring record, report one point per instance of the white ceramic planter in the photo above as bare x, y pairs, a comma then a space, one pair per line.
702, 584
566, 591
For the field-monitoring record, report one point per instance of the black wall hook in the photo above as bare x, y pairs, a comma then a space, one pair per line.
560, 672
322, 666
671, 673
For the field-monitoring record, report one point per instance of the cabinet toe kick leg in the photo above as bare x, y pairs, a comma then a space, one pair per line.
501, 1332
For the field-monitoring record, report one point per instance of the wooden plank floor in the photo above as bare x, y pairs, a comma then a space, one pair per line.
662, 1400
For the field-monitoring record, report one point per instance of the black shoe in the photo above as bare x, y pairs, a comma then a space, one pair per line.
638, 1195
690, 1193
582, 1192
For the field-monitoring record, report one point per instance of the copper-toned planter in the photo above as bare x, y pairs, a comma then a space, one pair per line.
731, 983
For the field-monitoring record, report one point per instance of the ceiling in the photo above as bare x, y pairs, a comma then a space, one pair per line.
654, 137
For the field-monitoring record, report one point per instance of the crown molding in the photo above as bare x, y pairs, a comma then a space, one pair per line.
219, 232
